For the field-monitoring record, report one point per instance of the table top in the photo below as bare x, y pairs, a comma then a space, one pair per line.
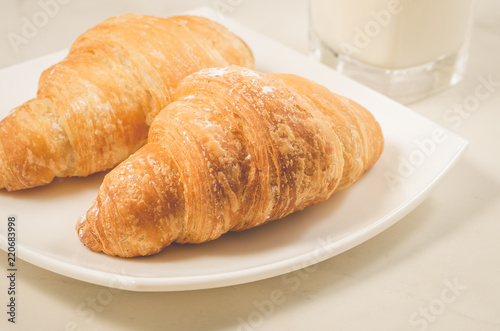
436, 269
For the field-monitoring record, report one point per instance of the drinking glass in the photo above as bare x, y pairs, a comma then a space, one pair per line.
405, 49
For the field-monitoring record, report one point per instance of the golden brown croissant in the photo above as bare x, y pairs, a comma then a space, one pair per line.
94, 108
236, 149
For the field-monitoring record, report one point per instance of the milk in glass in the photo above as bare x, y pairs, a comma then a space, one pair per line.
385, 43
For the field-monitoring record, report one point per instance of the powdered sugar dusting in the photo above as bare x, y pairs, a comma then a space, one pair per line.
214, 72
56, 126
268, 89
249, 73
95, 210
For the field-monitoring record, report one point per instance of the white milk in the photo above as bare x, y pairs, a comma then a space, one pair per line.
392, 34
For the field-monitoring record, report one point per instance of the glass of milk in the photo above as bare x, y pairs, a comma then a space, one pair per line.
405, 49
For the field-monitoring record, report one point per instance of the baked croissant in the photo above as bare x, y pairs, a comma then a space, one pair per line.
94, 108
236, 149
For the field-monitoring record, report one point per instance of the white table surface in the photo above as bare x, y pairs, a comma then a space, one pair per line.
436, 269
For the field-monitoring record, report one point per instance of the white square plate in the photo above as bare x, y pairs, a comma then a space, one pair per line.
417, 154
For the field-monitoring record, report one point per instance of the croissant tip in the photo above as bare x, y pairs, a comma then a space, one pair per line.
2, 169
3, 183
86, 236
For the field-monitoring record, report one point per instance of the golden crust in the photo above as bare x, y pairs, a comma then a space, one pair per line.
234, 150
358, 131
94, 108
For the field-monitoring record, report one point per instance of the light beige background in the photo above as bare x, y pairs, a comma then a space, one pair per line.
440, 264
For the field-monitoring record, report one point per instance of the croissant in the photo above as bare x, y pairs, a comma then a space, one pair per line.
234, 150
94, 108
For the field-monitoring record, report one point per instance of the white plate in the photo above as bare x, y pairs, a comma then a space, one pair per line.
417, 154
